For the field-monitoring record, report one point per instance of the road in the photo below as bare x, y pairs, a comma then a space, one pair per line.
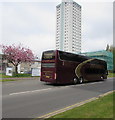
32, 98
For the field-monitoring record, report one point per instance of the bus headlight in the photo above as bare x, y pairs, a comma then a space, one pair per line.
55, 75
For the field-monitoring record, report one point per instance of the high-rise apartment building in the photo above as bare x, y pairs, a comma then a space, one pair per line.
68, 26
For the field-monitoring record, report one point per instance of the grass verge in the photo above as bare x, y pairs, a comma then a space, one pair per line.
100, 108
15, 75
6, 80
111, 75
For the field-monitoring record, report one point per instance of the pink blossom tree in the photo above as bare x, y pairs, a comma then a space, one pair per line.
17, 54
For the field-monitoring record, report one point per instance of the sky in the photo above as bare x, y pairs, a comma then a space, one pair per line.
32, 23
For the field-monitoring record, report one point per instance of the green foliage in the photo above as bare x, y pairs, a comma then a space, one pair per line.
112, 49
15, 75
114, 60
6, 80
21, 75
111, 75
2, 75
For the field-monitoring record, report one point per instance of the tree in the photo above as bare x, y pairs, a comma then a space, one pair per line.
112, 49
17, 54
107, 48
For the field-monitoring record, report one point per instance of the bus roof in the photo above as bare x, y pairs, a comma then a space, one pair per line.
83, 57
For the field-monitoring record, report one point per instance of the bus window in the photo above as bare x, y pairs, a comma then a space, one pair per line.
95, 71
72, 57
48, 65
48, 55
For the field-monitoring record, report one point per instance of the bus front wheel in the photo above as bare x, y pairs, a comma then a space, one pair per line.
102, 78
81, 80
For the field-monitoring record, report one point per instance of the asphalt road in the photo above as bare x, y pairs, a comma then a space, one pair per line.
32, 98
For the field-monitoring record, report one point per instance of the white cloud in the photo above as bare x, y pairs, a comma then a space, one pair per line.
30, 24
21, 16
34, 24
55, 1
40, 42
96, 44
97, 22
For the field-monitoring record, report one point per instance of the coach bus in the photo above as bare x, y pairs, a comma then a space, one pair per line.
63, 67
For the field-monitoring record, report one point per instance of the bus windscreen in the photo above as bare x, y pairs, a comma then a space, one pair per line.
48, 55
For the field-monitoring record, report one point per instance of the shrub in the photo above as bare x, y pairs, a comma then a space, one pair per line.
21, 75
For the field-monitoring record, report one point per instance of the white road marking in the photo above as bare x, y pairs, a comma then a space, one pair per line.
40, 90
30, 91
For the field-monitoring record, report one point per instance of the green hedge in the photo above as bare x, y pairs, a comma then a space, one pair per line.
15, 75
21, 75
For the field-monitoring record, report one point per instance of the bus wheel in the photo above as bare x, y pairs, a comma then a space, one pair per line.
75, 80
81, 80
102, 78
